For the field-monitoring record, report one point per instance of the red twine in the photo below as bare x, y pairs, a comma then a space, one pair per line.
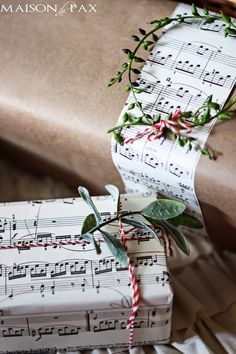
134, 284
25, 245
157, 129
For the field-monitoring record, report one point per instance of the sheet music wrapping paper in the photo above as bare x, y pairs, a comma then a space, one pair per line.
189, 62
67, 297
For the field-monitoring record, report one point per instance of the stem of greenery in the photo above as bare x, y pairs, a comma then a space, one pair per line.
107, 222
202, 116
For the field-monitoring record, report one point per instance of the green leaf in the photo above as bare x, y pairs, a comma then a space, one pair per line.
131, 106
139, 90
186, 220
135, 38
206, 152
226, 31
124, 65
90, 238
148, 43
118, 138
194, 10
156, 22
112, 81
209, 99
209, 20
84, 193
187, 114
142, 31
139, 60
89, 224
144, 45
214, 105
130, 55
126, 51
163, 209
154, 37
229, 30
166, 21
206, 115
116, 247
128, 88
206, 11
140, 225
178, 237
223, 116
125, 117
136, 71
225, 18
115, 193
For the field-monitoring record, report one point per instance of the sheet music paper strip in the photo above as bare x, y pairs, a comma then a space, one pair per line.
67, 296
189, 62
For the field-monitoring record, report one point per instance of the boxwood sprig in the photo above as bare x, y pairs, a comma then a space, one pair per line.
161, 214
146, 40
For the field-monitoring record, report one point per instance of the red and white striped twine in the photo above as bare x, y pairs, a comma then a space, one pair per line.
157, 129
43, 244
134, 283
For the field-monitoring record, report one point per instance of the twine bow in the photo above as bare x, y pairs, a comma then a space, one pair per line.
175, 124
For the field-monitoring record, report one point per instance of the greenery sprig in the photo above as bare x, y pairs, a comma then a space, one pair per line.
161, 214
208, 111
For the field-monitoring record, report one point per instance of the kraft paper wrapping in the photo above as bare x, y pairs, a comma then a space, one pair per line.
55, 106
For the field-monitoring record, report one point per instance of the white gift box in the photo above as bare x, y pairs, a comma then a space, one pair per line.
67, 297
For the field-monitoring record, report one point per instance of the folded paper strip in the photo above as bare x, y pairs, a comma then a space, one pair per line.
67, 297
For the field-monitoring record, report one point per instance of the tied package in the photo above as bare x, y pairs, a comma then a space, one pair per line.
66, 297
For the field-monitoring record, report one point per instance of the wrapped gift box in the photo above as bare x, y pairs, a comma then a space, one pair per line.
55, 107
68, 298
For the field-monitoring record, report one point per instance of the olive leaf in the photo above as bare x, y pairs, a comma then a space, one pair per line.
140, 225
90, 237
186, 220
84, 193
163, 209
116, 247
115, 193
177, 236
88, 224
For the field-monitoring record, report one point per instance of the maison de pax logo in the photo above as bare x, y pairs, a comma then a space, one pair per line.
56, 9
